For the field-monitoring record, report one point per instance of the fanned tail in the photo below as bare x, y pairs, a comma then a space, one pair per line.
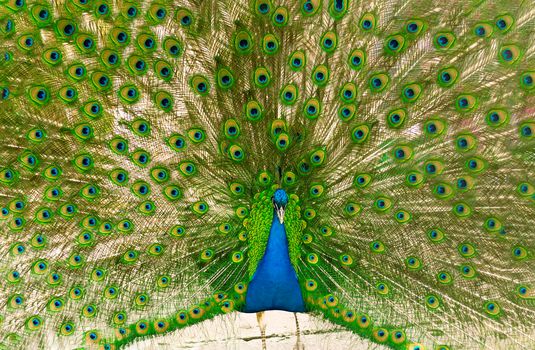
142, 142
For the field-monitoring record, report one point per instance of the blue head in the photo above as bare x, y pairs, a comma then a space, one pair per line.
280, 200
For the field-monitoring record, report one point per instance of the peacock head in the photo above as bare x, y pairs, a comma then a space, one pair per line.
280, 200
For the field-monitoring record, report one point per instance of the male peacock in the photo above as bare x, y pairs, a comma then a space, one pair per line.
163, 162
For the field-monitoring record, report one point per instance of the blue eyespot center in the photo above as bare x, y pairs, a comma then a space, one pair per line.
121, 37
507, 55
68, 29
376, 82
43, 14
88, 43
263, 8
186, 20
160, 13
243, 43
132, 11
103, 9
165, 102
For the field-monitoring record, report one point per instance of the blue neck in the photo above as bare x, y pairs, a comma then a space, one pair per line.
274, 285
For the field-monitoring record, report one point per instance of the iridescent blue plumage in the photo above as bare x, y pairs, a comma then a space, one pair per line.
280, 198
274, 285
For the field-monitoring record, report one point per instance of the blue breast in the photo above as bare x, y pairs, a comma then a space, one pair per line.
274, 285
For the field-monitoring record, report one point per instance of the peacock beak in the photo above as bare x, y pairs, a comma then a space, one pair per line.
280, 200
280, 213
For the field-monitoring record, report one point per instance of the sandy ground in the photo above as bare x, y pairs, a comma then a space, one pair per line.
240, 331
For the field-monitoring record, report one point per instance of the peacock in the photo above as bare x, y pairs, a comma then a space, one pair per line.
164, 162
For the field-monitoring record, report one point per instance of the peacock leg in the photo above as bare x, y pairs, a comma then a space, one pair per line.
262, 325
298, 344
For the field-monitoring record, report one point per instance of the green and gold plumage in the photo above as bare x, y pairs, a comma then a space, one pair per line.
141, 142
